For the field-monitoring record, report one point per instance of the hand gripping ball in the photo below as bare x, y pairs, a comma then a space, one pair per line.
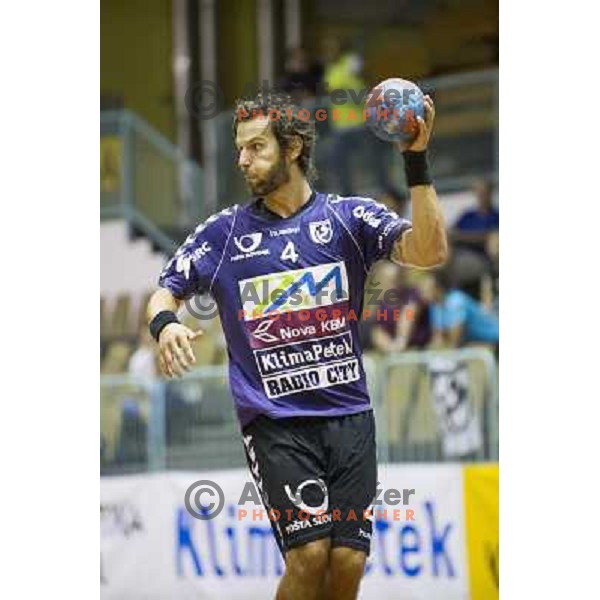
392, 108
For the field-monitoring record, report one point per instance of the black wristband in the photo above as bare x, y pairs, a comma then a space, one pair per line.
160, 321
416, 168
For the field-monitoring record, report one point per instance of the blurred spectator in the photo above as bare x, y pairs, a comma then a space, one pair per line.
385, 332
346, 120
344, 72
132, 435
475, 243
475, 227
142, 363
301, 78
456, 318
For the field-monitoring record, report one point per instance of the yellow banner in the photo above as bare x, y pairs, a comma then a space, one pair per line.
482, 525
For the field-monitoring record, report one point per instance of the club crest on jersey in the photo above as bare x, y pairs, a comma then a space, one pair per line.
321, 232
249, 242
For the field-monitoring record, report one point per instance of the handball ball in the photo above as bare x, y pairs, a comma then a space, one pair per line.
392, 108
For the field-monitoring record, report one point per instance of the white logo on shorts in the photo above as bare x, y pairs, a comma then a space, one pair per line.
296, 498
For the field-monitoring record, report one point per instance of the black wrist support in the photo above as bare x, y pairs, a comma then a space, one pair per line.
416, 168
160, 321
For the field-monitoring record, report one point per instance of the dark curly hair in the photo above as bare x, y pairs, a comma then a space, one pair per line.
287, 121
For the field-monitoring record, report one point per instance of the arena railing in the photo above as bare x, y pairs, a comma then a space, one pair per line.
147, 180
436, 405
429, 407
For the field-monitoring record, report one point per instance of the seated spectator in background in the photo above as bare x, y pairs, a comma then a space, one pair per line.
142, 363
475, 242
301, 78
385, 333
475, 226
456, 318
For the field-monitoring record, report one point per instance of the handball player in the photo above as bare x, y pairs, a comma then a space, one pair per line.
287, 269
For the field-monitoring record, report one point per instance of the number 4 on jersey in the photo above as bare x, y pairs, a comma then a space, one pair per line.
289, 252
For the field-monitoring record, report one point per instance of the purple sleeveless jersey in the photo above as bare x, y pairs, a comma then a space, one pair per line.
289, 293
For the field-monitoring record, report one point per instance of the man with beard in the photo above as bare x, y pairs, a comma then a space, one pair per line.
286, 270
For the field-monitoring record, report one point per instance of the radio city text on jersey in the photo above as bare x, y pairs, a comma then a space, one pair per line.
310, 379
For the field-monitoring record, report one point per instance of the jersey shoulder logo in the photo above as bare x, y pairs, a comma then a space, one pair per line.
321, 232
183, 265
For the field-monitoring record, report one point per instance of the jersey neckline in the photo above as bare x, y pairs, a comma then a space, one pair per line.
258, 209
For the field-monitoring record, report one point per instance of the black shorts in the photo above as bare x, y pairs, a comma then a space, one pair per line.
317, 477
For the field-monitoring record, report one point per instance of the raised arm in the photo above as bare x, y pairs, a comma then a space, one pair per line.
425, 245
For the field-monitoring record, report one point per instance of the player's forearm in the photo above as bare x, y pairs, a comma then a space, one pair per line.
426, 244
162, 299
429, 242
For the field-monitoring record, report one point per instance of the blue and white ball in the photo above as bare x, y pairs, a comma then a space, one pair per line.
392, 108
